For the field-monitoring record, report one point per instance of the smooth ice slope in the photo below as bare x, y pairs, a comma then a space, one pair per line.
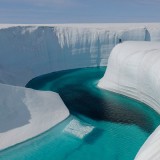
25, 113
27, 51
134, 70
151, 148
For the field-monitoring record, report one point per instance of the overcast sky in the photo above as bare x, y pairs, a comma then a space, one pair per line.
79, 11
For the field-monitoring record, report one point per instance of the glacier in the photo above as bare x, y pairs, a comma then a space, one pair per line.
28, 51
26, 113
133, 70
78, 129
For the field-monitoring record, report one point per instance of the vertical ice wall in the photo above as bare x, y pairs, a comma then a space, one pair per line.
30, 51
94, 44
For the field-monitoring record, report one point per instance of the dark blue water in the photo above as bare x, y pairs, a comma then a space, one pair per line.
102, 126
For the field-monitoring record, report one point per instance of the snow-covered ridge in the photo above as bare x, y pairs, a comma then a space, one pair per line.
25, 113
27, 51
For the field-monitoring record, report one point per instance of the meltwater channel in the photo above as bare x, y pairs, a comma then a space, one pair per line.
102, 126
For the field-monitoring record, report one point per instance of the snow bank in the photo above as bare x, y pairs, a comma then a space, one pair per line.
28, 51
25, 113
134, 70
150, 150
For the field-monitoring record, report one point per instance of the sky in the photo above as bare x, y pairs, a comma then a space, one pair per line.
79, 11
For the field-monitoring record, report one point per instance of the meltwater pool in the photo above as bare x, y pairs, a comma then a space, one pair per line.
102, 125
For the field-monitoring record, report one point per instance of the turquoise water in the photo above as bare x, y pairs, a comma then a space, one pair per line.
119, 125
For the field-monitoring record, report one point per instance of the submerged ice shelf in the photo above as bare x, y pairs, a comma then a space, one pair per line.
77, 129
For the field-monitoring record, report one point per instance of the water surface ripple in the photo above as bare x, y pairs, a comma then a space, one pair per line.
102, 126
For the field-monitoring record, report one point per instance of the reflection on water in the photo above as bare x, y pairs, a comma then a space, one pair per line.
103, 125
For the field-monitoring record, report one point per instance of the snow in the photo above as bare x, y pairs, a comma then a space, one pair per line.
26, 113
150, 149
133, 70
28, 51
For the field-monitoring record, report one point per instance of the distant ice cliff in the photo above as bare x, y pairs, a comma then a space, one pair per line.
27, 51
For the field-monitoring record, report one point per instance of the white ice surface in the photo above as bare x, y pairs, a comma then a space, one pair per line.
151, 148
25, 113
27, 51
134, 70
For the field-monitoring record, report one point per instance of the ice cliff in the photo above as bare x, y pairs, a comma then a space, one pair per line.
134, 70
25, 113
27, 51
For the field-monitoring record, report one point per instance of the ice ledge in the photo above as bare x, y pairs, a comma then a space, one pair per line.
26, 113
